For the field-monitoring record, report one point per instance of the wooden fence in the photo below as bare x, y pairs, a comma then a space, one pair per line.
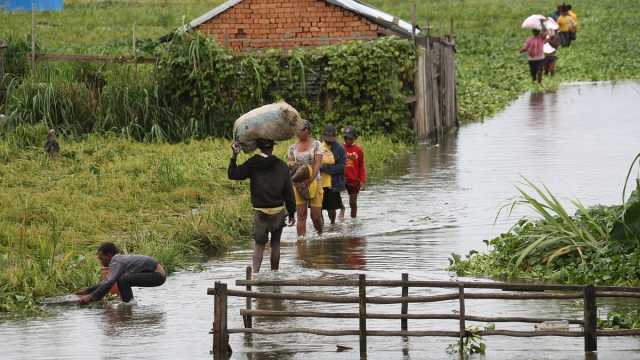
97, 59
436, 111
587, 293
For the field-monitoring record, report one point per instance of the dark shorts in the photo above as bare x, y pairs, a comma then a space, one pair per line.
332, 200
565, 38
268, 224
353, 188
536, 66
550, 59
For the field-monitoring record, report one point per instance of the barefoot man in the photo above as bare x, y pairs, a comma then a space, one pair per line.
127, 271
271, 196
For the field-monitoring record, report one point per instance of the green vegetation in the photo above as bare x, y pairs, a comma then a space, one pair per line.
595, 245
169, 201
198, 89
490, 71
105, 27
472, 344
362, 83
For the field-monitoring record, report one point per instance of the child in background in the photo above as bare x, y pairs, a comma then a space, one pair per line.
534, 48
355, 172
550, 52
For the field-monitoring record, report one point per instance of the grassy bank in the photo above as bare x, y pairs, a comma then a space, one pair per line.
169, 201
596, 245
491, 73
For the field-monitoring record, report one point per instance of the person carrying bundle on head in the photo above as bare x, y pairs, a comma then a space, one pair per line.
271, 196
534, 47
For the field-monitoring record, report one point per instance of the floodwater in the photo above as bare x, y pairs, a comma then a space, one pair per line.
578, 141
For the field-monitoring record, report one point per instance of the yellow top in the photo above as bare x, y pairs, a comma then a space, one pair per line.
565, 23
327, 159
270, 211
574, 17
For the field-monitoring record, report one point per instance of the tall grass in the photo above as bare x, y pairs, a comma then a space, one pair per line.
557, 232
170, 201
595, 245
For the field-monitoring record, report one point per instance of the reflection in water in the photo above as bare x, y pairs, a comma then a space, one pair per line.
438, 201
123, 321
346, 253
269, 304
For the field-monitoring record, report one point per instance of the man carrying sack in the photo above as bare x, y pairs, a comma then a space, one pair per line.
271, 196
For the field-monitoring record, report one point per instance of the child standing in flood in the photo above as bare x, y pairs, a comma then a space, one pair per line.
550, 52
355, 172
534, 48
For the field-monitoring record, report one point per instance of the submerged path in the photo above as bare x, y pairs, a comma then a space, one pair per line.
578, 141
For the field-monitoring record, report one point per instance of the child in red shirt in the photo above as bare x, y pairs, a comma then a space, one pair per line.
355, 172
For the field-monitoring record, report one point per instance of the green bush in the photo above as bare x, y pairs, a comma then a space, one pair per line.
199, 89
16, 59
361, 83
64, 105
584, 248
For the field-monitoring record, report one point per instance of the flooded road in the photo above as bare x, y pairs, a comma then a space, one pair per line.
578, 141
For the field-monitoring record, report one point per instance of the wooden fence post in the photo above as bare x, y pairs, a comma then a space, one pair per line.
452, 30
362, 287
405, 305
590, 322
248, 321
221, 348
421, 120
463, 328
33, 37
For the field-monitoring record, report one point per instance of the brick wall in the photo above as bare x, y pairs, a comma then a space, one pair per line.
255, 24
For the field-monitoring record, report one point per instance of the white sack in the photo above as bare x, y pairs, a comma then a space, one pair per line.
277, 122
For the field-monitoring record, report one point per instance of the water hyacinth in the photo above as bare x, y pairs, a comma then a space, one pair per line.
598, 244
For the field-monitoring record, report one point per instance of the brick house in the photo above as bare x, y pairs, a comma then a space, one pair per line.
244, 25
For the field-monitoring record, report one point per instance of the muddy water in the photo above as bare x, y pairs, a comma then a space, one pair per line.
578, 140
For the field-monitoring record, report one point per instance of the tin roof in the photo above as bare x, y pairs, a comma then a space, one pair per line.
379, 17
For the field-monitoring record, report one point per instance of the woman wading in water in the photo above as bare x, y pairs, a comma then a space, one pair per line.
307, 152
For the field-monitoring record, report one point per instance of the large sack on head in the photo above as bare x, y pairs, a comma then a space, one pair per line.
277, 122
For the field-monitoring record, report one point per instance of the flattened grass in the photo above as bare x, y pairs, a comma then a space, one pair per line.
170, 201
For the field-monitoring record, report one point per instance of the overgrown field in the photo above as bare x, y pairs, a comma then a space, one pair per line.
491, 73
169, 201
